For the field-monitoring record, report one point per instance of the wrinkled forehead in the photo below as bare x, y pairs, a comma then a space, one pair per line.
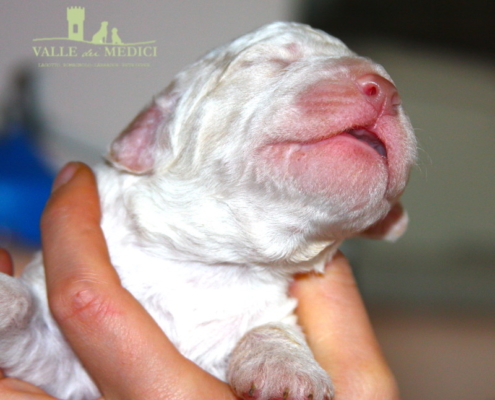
290, 39
279, 43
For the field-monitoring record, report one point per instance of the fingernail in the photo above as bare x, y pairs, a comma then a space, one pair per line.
65, 175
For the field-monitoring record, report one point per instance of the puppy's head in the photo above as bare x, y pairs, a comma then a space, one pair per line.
286, 139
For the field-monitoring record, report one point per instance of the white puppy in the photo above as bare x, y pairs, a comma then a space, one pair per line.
252, 165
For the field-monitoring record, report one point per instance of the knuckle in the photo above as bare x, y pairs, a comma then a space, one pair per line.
80, 302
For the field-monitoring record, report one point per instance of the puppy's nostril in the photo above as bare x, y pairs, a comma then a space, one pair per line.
370, 89
380, 92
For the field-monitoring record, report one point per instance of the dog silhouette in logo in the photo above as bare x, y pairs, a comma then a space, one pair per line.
101, 36
115, 36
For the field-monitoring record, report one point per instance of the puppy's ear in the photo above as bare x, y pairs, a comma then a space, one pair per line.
135, 150
390, 228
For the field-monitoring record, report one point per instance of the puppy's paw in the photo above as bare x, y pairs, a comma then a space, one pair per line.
273, 362
15, 304
283, 381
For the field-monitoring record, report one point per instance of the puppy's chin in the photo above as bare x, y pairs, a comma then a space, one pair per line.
340, 168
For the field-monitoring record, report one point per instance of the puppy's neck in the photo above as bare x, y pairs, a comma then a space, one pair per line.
187, 224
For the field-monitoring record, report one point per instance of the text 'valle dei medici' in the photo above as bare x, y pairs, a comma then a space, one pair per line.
107, 40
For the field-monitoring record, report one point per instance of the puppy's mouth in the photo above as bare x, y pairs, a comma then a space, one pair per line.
369, 138
366, 137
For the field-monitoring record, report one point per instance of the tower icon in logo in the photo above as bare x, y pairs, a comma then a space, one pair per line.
75, 18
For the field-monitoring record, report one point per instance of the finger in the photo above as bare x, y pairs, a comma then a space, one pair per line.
338, 329
6, 264
120, 345
70, 228
14, 389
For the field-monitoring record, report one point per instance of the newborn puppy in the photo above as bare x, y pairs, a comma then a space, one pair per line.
255, 163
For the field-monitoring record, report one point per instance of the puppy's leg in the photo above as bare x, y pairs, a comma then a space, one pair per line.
16, 306
31, 346
273, 361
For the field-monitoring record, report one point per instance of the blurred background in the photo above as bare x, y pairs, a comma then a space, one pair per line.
431, 295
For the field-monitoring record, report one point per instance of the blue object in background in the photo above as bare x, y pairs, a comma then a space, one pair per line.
25, 184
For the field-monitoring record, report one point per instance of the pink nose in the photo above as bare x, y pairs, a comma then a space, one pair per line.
380, 92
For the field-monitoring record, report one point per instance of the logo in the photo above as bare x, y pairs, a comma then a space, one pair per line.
105, 45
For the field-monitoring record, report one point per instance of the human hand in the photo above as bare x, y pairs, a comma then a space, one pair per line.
128, 355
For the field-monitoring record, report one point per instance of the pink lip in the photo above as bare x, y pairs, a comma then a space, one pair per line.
364, 135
